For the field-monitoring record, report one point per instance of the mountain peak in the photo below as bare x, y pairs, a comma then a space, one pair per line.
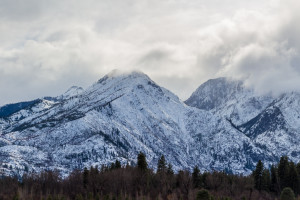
229, 98
211, 93
130, 81
225, 81
123, 75
72, 91
73, 88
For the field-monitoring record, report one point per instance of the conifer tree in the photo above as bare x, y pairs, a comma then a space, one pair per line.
266, 180
298, 168
196, 177
274, 180
141, 162
258, 172
204, 179
283, 172
170, 170
162, 176
117, 164
293, 178
161, 165
85, 177
170, 176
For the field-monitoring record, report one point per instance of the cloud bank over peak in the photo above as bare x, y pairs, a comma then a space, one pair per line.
48, 46
262, 50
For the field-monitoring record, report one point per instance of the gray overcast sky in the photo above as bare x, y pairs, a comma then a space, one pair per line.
48, 46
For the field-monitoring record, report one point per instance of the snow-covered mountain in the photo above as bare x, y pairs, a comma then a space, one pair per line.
123, 114
273, 124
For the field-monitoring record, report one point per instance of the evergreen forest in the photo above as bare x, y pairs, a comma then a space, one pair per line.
125, 182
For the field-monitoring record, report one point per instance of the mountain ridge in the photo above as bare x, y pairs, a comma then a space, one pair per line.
122, 114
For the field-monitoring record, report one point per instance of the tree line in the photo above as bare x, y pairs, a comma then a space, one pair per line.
117, 182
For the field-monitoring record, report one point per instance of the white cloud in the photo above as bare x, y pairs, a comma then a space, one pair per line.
48, 46
266, 55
